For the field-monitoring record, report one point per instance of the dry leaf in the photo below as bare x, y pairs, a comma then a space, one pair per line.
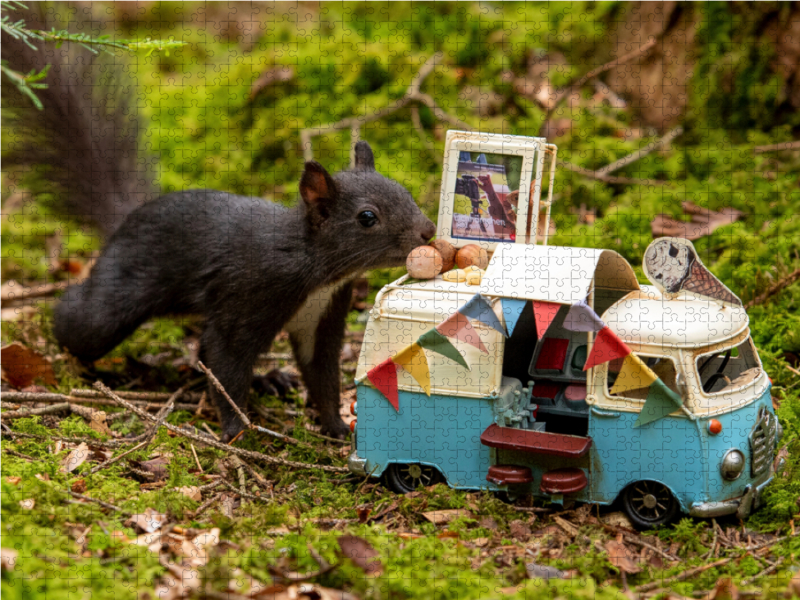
725, 590
27, 504
147, 522
13, 480
792, 590
438, 517
480, 542
520, 530
8, 558
361, 553
488, 523
79, 486
618, 519
21, 366
703, 222
191, 492
98, 422
621, 557
75, 458
226, 505
156, 467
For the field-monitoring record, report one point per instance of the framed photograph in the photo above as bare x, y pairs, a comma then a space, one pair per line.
491, 183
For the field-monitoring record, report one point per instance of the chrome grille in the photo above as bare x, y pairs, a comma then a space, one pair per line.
762, 442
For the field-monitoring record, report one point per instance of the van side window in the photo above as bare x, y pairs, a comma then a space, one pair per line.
662, 366
728, 369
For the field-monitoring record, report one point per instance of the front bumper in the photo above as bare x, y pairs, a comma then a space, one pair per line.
742, 506
357, 465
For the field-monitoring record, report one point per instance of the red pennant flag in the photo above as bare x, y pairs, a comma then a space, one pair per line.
607, 346
384, 377
458, 326
544, 313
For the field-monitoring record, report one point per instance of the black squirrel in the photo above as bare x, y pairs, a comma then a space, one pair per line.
249, 266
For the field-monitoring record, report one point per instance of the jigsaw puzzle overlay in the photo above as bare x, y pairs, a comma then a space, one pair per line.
419, 300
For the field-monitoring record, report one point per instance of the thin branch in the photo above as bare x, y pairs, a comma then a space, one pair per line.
27, 293
413, 95
562, 94
780, 285
684, 575
641, 153
29, 412
215, 444
610, 179
216, 383
773, 567
96, 501
111, 461
776, 147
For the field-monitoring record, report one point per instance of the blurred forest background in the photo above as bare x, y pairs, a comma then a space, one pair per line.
711, 91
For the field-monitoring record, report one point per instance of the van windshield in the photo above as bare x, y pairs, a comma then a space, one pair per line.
724, 370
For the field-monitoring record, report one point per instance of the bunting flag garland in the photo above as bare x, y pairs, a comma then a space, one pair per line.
634, 375
479, 309
436, 342
458, 326
581, 317
607, 346
512, 309
544, 313
661, 401
384, 378
413, 360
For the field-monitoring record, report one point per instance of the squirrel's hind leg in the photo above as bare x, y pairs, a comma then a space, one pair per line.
231, 357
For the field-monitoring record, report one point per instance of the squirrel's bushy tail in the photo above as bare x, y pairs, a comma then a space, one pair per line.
83, 146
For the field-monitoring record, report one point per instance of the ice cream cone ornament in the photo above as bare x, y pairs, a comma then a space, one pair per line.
672, 265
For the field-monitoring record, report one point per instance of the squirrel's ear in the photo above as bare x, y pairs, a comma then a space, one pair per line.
317, 186
365, 160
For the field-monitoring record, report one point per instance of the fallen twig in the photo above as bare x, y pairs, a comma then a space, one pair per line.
29, 412
24, 397
610, 179
412, 95
775, 147
640, 153
96, 501
580, 81
27, 293
221, 389
71, 440
205, 505
215, 444
111, 461
780, 285
684, 575
19, 455
772, 568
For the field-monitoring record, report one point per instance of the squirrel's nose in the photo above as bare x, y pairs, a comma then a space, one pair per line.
428, 231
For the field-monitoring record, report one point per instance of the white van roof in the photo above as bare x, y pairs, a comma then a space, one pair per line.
559, 274
685, 320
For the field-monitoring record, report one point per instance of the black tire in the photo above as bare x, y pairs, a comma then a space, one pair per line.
405, 478
649, 504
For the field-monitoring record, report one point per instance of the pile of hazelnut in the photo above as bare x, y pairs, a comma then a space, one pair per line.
440, 256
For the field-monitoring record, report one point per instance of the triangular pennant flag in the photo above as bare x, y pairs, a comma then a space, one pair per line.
634, 375
661, 401
384, 377
607, 346
544, 313
479, 309
436, 342
512, 309
581, 317
413, 360
458, 326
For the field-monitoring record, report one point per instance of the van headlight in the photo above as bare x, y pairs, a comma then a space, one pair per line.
732, 464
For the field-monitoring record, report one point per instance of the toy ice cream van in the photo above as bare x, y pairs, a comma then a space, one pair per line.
558, 374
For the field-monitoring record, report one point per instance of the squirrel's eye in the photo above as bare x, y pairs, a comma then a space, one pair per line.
367, 218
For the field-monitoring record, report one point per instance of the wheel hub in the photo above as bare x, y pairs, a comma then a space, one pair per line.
415, 471
650, 501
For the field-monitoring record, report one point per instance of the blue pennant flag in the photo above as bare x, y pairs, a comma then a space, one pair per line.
479, 309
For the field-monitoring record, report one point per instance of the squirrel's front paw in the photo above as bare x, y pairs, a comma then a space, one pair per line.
335, 428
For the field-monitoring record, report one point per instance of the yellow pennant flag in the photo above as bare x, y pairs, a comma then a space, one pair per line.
633, 375
413, 360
